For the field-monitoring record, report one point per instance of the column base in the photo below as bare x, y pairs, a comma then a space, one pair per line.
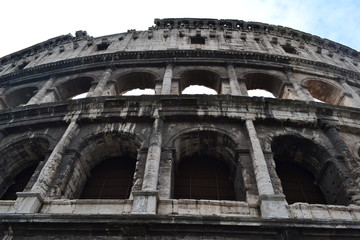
28, 202
145, 202
273, 206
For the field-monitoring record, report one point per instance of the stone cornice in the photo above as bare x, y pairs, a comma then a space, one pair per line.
176, 56
257, 27
175, 108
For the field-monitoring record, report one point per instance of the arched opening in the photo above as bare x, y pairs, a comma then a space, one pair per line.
110, 179
106, 160
19, 97
323, 92
204, 79
266, 82
305, 172
18, 163
200, 177
205, 167
298, 184
75, 88
19, 183
136, 83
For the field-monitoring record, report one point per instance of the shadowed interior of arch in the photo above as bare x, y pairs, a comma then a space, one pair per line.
202, 177
19, 183
75, 88
199, 82
110, 179
21, 96
263, 85
136, 83
306, 172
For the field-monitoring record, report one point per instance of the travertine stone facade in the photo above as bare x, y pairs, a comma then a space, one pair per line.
66, 139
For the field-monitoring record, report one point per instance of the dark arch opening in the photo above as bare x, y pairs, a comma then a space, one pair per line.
19, 162
21, 96
264, 81
201, 78
201, 177
19, 183
110, 179
136, 80
209, 155
74, 87
298, 184
304, 166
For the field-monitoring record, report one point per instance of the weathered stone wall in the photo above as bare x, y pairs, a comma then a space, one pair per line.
66, 138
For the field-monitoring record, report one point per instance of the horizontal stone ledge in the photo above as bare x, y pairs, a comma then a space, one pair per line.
201, 106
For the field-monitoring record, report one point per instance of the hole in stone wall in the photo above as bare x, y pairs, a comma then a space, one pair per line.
289, 49
197, 89
197, 40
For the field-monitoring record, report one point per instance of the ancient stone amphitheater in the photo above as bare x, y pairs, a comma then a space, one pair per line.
108, 165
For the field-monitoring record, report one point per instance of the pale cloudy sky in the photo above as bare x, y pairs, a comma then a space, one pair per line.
27, 22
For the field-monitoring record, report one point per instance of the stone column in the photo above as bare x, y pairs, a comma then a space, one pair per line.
3, 103
299, 89
345, 160
243, 88
100, 87
30, 202
42, 92
234, 84
145, 201
271, 205
166, 84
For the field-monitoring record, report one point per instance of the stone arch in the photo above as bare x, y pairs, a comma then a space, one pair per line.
24, 154
201, 77
264, 81
96, 149
324, 90
73, 87
19, 96
135, 80
197, 150
295, 152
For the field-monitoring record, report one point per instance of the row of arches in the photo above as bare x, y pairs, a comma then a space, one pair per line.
188, 82
205, 165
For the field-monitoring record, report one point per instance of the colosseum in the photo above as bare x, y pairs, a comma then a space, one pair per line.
85, 156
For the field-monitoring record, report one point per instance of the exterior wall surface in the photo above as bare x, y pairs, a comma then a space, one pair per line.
313, 122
